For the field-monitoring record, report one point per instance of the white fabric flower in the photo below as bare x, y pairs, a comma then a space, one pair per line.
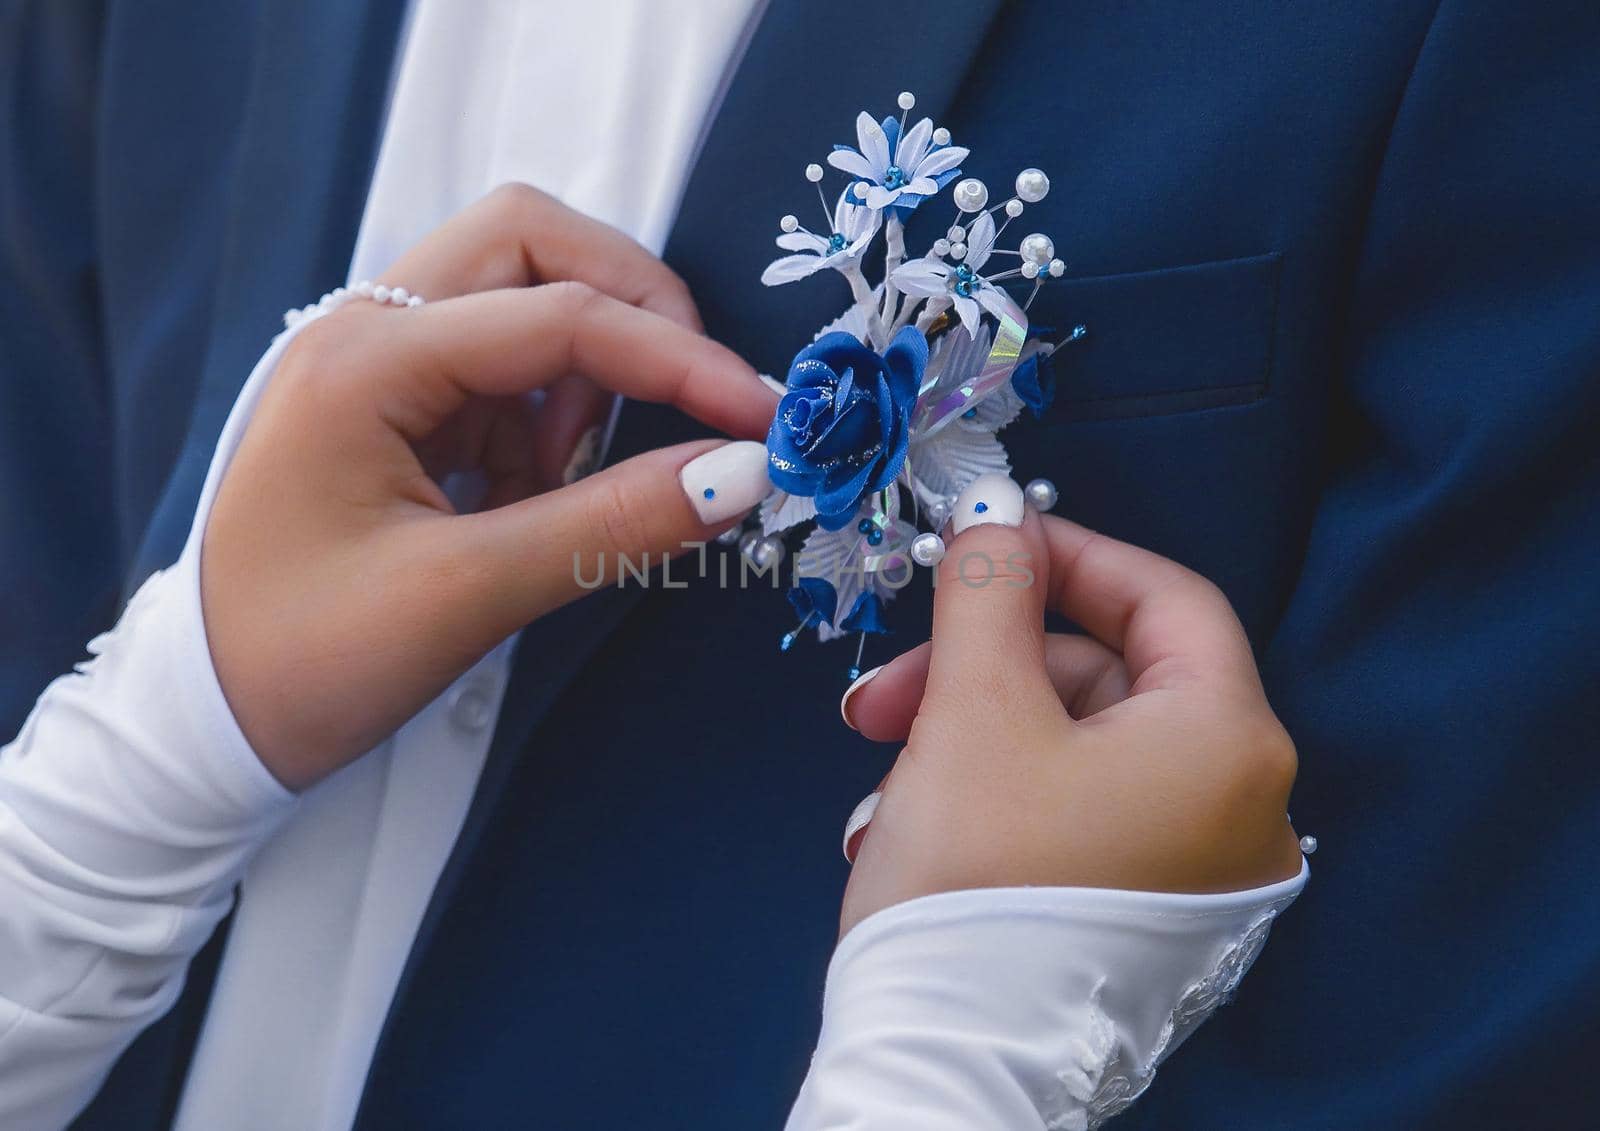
911, 170
960, 282
854, 226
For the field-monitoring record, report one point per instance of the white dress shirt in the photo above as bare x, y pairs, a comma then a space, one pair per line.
128, 812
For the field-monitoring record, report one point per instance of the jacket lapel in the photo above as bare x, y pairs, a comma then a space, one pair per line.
304, 158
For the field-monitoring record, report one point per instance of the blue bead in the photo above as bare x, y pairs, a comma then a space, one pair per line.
853, 674
786, 642
969, 414
980, 507
710, 493
875, 537
865, 526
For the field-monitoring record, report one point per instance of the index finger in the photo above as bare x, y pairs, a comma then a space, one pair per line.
1171, 625
502, 343
517, 236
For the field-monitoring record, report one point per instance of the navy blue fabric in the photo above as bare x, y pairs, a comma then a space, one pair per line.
1340, 269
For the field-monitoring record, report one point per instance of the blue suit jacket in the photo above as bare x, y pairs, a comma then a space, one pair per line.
1341, 270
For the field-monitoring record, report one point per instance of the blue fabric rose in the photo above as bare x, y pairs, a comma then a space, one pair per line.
842, 428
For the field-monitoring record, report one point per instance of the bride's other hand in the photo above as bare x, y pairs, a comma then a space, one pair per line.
342, 589
1142, 756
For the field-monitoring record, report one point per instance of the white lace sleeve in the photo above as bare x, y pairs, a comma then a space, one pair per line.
1022, 1008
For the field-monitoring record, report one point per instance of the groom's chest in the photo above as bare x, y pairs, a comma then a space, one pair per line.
1210, 168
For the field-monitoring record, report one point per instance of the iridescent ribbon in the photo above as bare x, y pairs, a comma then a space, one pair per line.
932, 414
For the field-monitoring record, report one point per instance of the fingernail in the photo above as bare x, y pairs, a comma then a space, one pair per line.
861, 681
726, 481
988, 498
857, 824
773, 383
585, 455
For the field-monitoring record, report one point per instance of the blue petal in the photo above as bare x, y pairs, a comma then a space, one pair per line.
866, 615
840, 495
891, 128
1034, 383
815, 596
906, 359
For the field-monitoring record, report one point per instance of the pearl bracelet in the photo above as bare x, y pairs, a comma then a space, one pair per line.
366, 289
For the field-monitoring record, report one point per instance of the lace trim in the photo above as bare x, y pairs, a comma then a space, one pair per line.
1119, 1085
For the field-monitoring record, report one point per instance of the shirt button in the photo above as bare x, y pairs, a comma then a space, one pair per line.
471, 706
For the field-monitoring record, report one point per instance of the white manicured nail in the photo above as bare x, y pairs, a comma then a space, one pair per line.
773, 383
585, 456
861, 681
859, 820
727, 481
988, 498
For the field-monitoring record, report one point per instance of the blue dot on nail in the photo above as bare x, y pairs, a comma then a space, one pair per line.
980, 507
710, 493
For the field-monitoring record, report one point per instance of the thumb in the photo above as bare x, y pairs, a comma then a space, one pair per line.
989, 602
535, 555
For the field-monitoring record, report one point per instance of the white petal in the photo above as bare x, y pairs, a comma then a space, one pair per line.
980, 241
861, 241
921, 277
873, 143
971, 316
947, 461
880, 197
994, 300
853, 321
940, 161
913, 145
923, 186
853, 163
782, 510
790, 268
802, 241
856, 221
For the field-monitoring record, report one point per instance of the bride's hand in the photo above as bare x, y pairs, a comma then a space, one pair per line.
342, 590
1142, 756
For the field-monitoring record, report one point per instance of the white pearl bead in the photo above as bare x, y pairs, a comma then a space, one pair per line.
767, 552
789, 223
292, 316
340, 293
1013, 208
941, 247
1057, 268
364, 288
927, 549
956, 233
1037, 248
906, 100
748, 540
1308, 844
1041, 493
941, 136
730, 536
958, 251
399, 295
380, 293
1030, 270
1032, 185
859, 189
813, 173
971, 195
414, 301
938, 512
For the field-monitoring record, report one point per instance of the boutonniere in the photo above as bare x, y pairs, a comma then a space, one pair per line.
894, 406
